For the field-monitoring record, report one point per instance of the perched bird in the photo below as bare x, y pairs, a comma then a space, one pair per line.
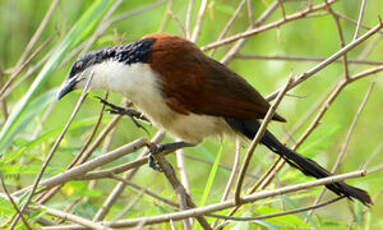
188, 94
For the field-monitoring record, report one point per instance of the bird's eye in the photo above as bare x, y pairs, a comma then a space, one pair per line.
78, 66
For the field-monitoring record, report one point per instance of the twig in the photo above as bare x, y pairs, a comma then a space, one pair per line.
235, 49
25, 222
119, 188
142, 191
298, 210
304, 59
102, 27
165, 20
360, 19
276, 24
36, 36
145, 191
341, 37
236, 163
53, 149
234, 170
21, 67
227, 168
346, 18
220, 206
373, 155
280, 2
181, 166
257, 139
185, 201
178, 21
200, 18
230, 23
77, 219
250, 12
329, 60
188, 19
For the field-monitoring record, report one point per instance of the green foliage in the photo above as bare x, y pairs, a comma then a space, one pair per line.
19, 116
28, 134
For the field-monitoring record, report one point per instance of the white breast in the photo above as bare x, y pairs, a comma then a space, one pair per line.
140, 84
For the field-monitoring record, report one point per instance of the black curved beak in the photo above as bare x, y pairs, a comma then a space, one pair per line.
66, 87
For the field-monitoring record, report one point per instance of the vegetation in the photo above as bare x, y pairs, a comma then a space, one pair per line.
66, 165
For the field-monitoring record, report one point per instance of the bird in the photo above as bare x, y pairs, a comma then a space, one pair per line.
190, 95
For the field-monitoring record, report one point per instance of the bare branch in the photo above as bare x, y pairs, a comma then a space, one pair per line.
332, 58
303, 59
25, 222
200, 19
360, 19
276, 24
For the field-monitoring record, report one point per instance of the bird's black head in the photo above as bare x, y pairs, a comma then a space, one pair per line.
128, 54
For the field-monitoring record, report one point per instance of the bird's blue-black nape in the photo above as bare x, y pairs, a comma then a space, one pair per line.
136, 52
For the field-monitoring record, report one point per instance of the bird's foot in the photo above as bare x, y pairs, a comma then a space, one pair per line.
132, 113
155, 149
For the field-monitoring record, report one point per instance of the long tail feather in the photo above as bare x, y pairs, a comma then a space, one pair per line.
249, 128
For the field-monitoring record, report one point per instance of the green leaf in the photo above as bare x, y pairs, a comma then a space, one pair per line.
15, 124
210, 180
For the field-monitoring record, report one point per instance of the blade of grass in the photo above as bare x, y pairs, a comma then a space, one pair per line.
210, 180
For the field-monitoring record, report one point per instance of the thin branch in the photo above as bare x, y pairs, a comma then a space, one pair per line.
230, 23
145, 191
280, 2
188, 19
250, 12
341, 37
181, 166
119, 188
21, 67
303, 59
237, 161
235, 49
360, 19
346, 18
185, 201
25, 222
77, 219
285, 213
257, 139
331, 59
200, 19
220, 165
36, 36
165, 20
373, 155
276, 24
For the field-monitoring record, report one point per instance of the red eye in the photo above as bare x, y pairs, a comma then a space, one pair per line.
78, 67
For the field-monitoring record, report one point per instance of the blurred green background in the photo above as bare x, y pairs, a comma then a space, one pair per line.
310, 37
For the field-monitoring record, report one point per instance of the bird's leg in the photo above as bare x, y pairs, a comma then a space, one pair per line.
161, 148
132, 113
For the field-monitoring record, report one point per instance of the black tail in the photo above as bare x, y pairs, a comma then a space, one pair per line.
309, 167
